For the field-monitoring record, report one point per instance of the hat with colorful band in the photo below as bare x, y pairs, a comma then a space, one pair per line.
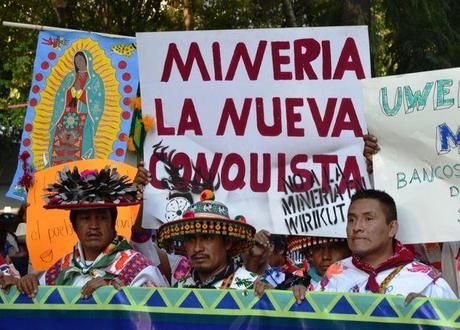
206, 217
90, 189
296, 243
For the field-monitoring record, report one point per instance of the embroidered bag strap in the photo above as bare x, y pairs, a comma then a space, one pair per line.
227, 281
388, 279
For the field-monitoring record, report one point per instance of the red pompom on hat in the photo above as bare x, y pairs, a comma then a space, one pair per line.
207, 195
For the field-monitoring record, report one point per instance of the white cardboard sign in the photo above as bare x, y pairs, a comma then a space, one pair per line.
416, 118
275, 115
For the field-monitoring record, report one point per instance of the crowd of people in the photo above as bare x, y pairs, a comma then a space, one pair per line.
206, 248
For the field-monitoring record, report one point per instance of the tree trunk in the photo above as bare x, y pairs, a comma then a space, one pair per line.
287, 4
63, 11
104, 12
188, 18
356, 12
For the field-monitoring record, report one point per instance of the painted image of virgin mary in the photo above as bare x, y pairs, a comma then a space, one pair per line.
77, 110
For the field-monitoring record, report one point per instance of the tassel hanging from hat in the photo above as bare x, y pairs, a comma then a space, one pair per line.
27, 178
131, 146
148, 122
138, 129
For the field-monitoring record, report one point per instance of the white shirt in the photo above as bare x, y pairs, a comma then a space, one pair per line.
414, 277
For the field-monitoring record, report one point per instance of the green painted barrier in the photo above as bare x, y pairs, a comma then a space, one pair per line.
170, 308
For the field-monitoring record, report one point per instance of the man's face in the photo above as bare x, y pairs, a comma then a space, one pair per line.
324, 255
368, 232
94, 230
207, 253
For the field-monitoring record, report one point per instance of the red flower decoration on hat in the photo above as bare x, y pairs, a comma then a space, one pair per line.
189, 214
86, 173
207, 195
240, 218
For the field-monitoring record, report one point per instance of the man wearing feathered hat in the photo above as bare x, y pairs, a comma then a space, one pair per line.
211, 240
100, 257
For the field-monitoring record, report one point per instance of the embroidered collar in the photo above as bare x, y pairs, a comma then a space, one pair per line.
401, 256
78, 265
194, 281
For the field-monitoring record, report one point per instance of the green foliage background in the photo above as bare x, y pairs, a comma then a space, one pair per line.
406, 35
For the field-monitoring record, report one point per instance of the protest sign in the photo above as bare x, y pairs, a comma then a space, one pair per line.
79, 102
270, 119
49, 232
416, 119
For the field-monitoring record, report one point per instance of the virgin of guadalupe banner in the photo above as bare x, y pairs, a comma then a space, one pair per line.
79, 102
416, 118
270, 119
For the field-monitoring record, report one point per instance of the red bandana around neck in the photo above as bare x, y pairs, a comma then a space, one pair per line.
401, 256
